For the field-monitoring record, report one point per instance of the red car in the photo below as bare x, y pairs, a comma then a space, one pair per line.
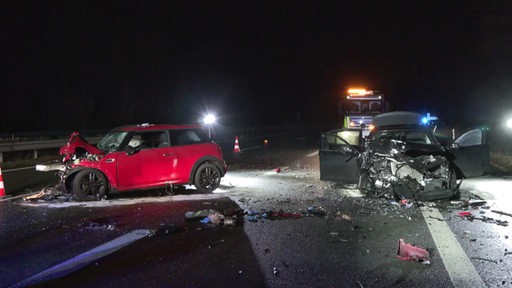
142, 157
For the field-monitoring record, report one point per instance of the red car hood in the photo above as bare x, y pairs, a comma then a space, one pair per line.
76, 141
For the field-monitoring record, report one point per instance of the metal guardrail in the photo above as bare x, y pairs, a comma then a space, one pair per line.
221, 134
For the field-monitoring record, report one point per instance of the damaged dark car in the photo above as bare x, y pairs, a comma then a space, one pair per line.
402, 158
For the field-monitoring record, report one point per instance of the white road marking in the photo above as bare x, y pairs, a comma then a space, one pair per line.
456, 262
84, 259
250, 148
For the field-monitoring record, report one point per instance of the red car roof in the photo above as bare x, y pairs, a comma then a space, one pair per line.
149, 127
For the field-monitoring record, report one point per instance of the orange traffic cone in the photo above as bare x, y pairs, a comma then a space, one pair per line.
2, 189
237, 148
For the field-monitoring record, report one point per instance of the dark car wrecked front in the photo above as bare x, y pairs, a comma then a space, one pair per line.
402, 158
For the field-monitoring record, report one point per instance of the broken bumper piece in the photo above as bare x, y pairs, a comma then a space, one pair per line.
50, 167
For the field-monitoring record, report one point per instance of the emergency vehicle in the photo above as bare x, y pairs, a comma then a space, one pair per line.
359, 106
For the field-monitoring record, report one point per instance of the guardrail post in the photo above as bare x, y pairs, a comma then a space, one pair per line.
35, 153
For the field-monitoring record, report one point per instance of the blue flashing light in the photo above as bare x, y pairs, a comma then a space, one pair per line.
425, 120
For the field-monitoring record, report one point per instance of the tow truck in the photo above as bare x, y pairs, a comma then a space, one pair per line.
359, 106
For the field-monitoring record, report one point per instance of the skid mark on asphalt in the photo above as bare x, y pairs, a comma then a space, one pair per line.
460, 269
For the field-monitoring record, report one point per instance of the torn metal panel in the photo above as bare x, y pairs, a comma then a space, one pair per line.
391, 170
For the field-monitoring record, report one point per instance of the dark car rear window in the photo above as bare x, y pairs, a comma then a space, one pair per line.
187, 137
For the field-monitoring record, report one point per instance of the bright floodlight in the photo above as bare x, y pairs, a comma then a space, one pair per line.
209, 119
509, 123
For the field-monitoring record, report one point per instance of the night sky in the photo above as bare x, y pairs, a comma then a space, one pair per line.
99, 64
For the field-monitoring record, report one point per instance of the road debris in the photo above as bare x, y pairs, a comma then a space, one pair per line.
465, 214
403, 203
476, 202
193, 215
501, 213
110, 223
255, 216
409, 252
484, 259
209, 216
316, 211
34, 196
469, 216
336, 238
275, 271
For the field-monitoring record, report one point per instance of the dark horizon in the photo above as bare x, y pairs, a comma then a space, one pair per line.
96, 65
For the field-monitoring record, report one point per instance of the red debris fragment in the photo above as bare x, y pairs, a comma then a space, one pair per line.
465, 214
408, 252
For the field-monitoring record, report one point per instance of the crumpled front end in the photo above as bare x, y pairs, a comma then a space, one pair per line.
77, 148
394, 169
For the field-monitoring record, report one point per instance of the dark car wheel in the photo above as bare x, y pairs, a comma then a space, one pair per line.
89, 185
207, 178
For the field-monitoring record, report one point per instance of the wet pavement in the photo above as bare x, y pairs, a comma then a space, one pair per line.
292, 230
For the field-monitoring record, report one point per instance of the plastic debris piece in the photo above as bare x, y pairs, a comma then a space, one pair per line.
409, 252
251, 218
318, 211
230, 221
216, 218
501, 213
404, 203
275, 271
192, 215
278, 170
465, 214
475, 202
205, 220
250, 212
35, 196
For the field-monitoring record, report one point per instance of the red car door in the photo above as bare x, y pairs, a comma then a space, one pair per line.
146, 167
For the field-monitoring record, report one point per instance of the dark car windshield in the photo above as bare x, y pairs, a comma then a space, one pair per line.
411, 136
112, 141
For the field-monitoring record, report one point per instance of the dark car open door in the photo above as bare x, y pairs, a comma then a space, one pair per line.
471, 152
339, 151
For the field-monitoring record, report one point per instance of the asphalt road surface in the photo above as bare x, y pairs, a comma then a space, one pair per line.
290, 230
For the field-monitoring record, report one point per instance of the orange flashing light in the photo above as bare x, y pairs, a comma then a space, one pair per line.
371, 127
352, 124
358, 91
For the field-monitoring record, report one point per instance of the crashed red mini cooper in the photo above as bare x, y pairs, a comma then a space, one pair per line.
141, 157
